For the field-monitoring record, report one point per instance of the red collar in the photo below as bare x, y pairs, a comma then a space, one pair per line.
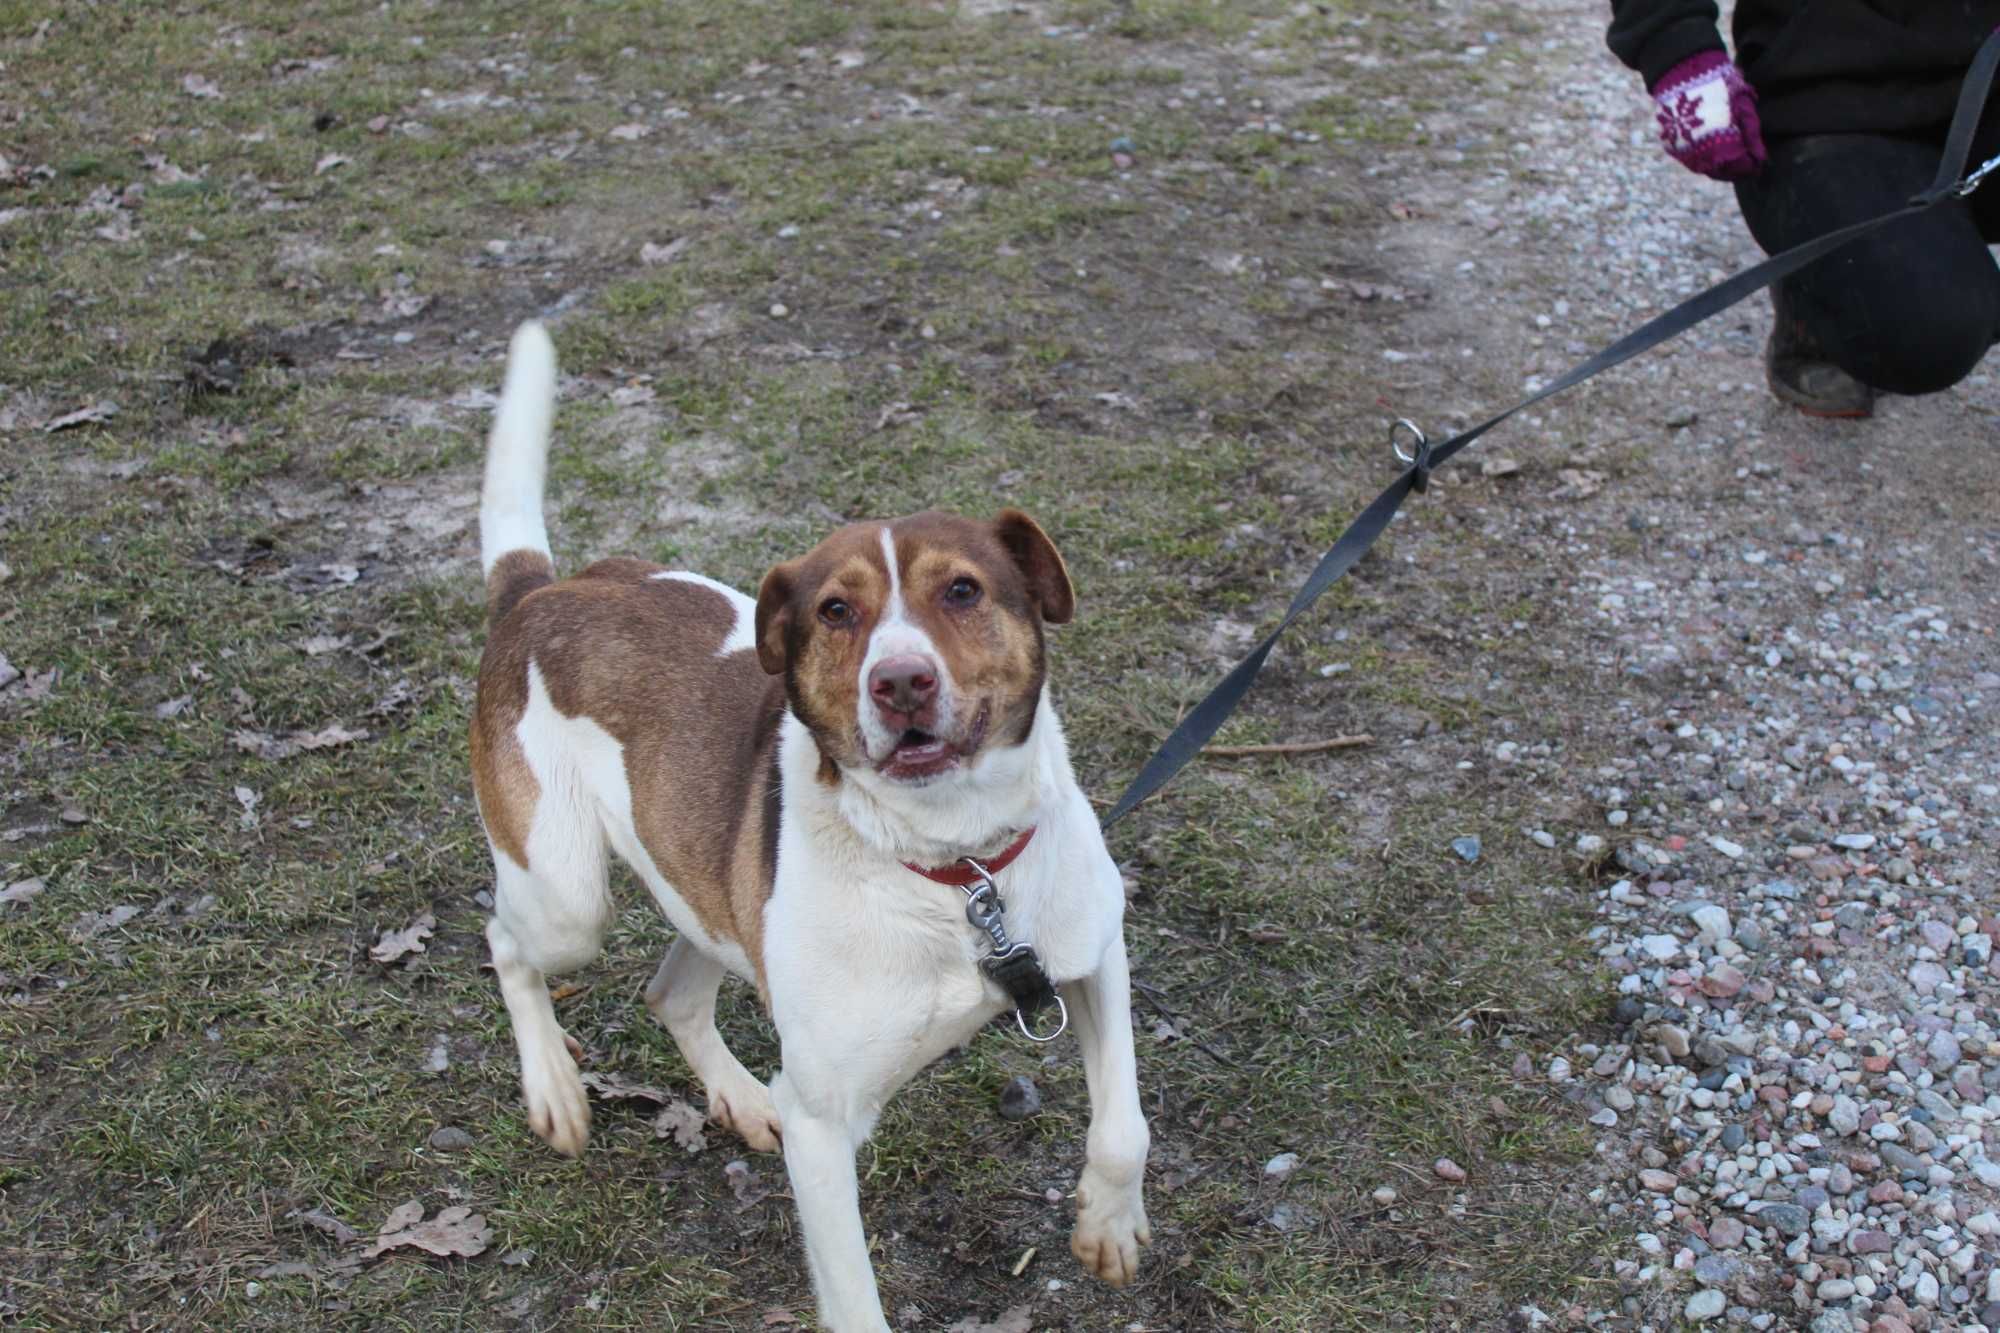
961, 875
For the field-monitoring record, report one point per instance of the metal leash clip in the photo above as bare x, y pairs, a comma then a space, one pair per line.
1012, 964
1419, 458
1980, 173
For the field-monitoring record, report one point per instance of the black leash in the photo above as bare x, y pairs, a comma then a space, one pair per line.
1194, 731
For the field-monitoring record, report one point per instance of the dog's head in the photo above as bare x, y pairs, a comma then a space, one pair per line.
910, 648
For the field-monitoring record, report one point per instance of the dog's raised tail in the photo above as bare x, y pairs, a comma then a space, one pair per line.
513, 540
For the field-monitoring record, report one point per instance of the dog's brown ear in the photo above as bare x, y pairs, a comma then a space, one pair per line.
1039, 563
774, 616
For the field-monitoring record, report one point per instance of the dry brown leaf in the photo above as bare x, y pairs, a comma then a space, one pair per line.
683, 1123
612, 1088
410, 939
320, 1220
744, 1183
780, 1319
454, 1231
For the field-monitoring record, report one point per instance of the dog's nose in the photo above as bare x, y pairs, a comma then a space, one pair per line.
902, 685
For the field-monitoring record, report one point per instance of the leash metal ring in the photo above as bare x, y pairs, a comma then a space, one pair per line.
1416, 433
1062, 1010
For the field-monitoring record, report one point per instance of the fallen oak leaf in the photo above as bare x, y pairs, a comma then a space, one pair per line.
683, 1123
454, 1231
402, 1217
410, 939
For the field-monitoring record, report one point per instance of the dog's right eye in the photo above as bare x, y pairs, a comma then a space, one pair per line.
836, 613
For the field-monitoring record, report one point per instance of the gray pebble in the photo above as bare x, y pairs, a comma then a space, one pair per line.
1717, 1270
1896, 1155
1788, 1218
450, 1138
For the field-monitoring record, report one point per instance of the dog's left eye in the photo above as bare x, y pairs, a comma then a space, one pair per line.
962, 592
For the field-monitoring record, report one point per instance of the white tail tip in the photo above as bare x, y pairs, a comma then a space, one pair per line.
517, 451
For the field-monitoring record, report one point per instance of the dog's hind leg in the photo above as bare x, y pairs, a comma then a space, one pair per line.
682, 996
547, 922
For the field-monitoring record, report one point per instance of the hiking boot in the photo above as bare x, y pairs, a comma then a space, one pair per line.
1799, 373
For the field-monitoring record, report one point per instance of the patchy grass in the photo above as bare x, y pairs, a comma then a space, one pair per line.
980, 306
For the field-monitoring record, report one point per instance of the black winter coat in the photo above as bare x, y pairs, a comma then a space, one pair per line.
1822, 66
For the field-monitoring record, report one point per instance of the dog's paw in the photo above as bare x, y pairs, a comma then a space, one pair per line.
1108, 1236
745, 1109
557, 1109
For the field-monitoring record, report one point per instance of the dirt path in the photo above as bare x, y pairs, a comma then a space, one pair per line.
1788, 629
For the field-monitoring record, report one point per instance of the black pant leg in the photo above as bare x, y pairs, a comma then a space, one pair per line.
1909, 309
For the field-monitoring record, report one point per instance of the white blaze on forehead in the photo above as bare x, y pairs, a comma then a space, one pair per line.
895, 605
896, 635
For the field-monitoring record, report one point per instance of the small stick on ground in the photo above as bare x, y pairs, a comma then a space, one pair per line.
1293, 747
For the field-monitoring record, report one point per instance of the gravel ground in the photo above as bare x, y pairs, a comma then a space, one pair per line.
1792, 625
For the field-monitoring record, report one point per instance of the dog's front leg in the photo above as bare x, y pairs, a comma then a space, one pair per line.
1110, 1210
820, 1139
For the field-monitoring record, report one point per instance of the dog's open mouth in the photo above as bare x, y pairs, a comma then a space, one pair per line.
918, 753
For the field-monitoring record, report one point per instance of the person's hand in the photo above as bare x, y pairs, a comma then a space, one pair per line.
1708, 117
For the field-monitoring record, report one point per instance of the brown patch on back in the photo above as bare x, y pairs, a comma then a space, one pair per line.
637, 656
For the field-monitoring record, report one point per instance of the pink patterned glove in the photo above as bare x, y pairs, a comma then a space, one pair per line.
1708, 117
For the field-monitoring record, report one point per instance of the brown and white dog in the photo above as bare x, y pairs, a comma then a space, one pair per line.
773, 770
